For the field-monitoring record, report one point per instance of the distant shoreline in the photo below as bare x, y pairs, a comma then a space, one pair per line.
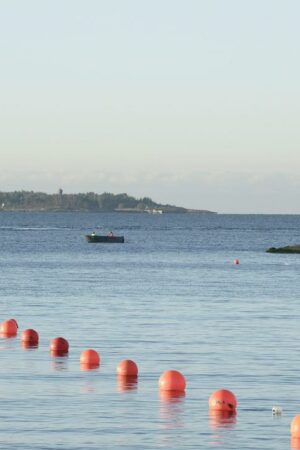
43, 210
29, 201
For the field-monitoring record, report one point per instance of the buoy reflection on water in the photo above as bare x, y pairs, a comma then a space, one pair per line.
172, 405
221, 419
129, 383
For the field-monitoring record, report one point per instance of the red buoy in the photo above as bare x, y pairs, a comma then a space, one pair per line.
14, 320
295, 427
30, 336
222, 400
90, 358
59, 346
9, 327
236, 261
172, 380
127, 368
295, 443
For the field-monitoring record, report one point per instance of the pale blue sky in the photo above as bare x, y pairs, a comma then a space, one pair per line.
194, 103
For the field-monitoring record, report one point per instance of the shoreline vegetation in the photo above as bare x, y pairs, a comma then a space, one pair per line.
86, 202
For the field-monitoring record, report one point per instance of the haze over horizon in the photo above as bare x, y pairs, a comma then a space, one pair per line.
191, 103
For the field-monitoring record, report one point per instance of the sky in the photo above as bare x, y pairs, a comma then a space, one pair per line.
194, 103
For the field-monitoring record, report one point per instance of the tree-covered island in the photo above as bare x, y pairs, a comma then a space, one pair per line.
106, 202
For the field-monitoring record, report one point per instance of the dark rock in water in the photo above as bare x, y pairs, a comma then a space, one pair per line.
287, 249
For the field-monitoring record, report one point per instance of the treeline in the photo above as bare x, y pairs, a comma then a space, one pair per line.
39, 201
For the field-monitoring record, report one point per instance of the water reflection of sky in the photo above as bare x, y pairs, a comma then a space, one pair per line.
166, 298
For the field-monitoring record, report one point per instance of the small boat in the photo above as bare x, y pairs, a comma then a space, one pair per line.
154, 211
93, 238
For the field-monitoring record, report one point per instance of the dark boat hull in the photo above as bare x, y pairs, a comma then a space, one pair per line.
105, 239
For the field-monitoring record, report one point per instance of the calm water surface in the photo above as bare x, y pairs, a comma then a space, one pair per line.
169, 298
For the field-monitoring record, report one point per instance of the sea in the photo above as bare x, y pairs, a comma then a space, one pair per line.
170, 297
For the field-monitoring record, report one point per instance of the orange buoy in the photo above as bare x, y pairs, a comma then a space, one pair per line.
127, 368
295, 427
59, 346
9, 327
172, 380
90, 358
30, 336
222, 400
295, 443
14, 320
236, 261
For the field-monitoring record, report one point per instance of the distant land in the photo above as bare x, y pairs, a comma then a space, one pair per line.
106, 202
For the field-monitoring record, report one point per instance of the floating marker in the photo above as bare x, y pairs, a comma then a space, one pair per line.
172, 380
127, 368
14, 320
30, 336
90, 358
222, 400
276, 411
295, 427
9, 328
59, 346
